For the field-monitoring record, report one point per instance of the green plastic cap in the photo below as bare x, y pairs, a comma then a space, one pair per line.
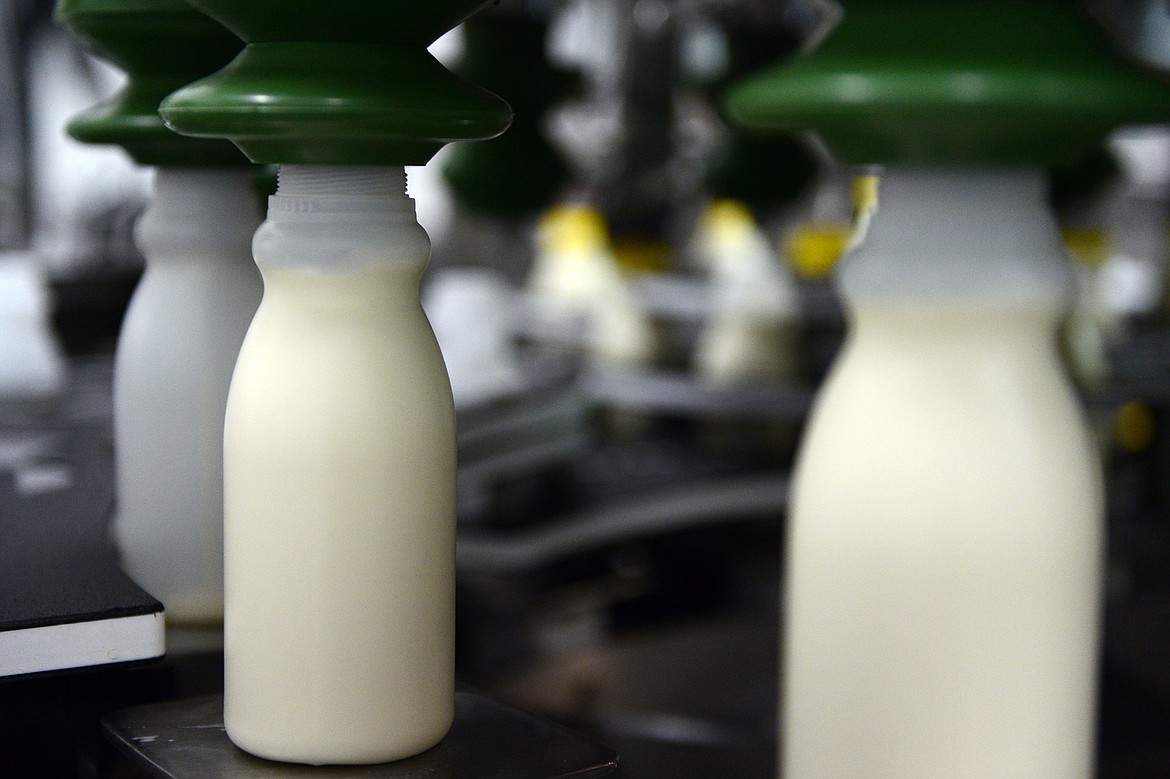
347, 82
960, 82
161, 44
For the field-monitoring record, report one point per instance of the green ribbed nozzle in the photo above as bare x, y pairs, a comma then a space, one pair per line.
348, 82
161, 44
520, 173
983, 82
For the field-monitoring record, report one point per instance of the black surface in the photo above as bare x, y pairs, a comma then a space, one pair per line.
50, 723
489, 740
57, 564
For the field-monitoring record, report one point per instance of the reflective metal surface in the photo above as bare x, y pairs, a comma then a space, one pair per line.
489, 740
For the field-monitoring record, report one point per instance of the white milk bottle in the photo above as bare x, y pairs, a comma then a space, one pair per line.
750, 335
176, 350
576, 280
339, 468
944, 551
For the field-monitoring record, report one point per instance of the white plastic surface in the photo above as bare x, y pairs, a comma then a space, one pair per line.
340, 485
945, 543
974, 237
472, 311
175, 356
31, 362
81, 644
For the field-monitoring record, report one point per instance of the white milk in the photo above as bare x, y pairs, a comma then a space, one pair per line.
175, 355
944, 551
339, 457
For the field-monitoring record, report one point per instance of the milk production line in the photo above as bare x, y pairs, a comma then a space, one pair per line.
631, 291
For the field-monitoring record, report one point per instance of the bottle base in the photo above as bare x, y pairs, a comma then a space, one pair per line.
318, 749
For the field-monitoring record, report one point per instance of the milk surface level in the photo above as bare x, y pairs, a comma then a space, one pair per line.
339, 485
944, 552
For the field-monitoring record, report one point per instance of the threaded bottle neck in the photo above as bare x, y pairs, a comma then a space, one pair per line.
959, 235
330, 192
340, 181
340, 219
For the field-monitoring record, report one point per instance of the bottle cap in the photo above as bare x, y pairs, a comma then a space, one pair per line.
813, 250
572, 227
636, 253
727, 219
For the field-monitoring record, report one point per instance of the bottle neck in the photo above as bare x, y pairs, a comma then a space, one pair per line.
344, 185
340, 220
966, 238
199, 213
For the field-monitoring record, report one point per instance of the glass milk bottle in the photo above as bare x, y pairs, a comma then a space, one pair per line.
944, 550
339, 469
